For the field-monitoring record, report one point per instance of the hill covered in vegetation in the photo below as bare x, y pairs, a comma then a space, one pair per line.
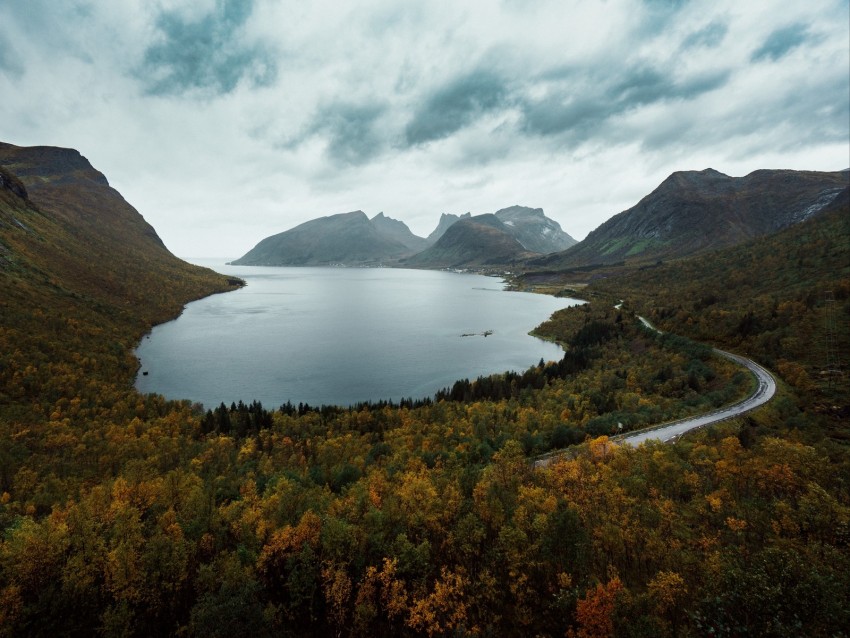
784, 300
692, 212
83, 278
128, 514
347, 238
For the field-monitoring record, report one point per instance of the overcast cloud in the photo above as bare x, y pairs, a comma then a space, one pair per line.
224, 121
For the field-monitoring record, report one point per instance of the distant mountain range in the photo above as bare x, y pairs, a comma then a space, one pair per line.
472, 242
689, 213
352, 239
692, 212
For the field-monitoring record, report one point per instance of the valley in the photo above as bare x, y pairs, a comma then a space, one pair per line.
123, 512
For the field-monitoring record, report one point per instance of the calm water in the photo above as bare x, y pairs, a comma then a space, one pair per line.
342, 335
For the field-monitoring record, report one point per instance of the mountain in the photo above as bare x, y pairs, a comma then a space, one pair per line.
696, 211
83, 277
446, 220
782, 298
474, 242
536, 232
350, 239
63, 226
398, 231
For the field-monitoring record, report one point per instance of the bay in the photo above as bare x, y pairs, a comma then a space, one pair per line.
342, 335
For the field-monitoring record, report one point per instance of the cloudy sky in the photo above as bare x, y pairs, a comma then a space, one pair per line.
224, 121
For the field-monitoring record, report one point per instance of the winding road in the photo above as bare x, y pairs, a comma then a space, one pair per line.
669, 432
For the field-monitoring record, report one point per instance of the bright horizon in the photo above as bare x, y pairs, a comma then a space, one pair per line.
224, 122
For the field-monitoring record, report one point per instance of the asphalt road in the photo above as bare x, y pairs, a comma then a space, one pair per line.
669, 432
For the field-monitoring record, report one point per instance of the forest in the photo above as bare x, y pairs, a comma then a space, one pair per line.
124, 514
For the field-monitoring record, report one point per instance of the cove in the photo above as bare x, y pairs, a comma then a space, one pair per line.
338, 336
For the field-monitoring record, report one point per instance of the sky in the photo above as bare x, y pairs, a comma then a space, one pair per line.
225, 121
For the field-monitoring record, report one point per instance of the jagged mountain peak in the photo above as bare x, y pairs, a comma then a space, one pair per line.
536, 232
398, 231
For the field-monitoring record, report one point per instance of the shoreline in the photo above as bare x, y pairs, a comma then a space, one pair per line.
165, 371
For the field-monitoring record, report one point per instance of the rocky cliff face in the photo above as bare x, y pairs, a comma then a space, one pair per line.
536, 232
12, 184
446, 220
696, 211
50, 164
398, 231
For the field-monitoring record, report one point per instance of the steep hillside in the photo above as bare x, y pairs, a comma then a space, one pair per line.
446, 220
693, 212
76, 260
784, 299
536, 232
75, 229
398, 231
349, 239
480, 241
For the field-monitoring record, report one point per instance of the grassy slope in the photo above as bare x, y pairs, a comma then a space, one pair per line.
695, 212
779, 300
84, 277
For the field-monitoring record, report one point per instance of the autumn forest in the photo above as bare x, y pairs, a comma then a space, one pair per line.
124, 514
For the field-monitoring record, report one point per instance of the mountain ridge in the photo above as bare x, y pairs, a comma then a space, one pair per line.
696, 211
341, 239
536, 232
472, 242
446, 220
399, 231
352, 239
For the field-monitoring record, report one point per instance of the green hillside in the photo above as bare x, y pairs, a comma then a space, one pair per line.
123, 514
83, 278
785, 300
693, 212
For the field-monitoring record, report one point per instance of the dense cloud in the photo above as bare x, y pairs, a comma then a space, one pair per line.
781, 42
710, 36
224, 121
453, 106
351, 131
582, 106
205, 52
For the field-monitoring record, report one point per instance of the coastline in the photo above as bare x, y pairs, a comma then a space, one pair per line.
504, 354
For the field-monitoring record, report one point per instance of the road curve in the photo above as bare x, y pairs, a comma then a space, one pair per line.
669, 432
